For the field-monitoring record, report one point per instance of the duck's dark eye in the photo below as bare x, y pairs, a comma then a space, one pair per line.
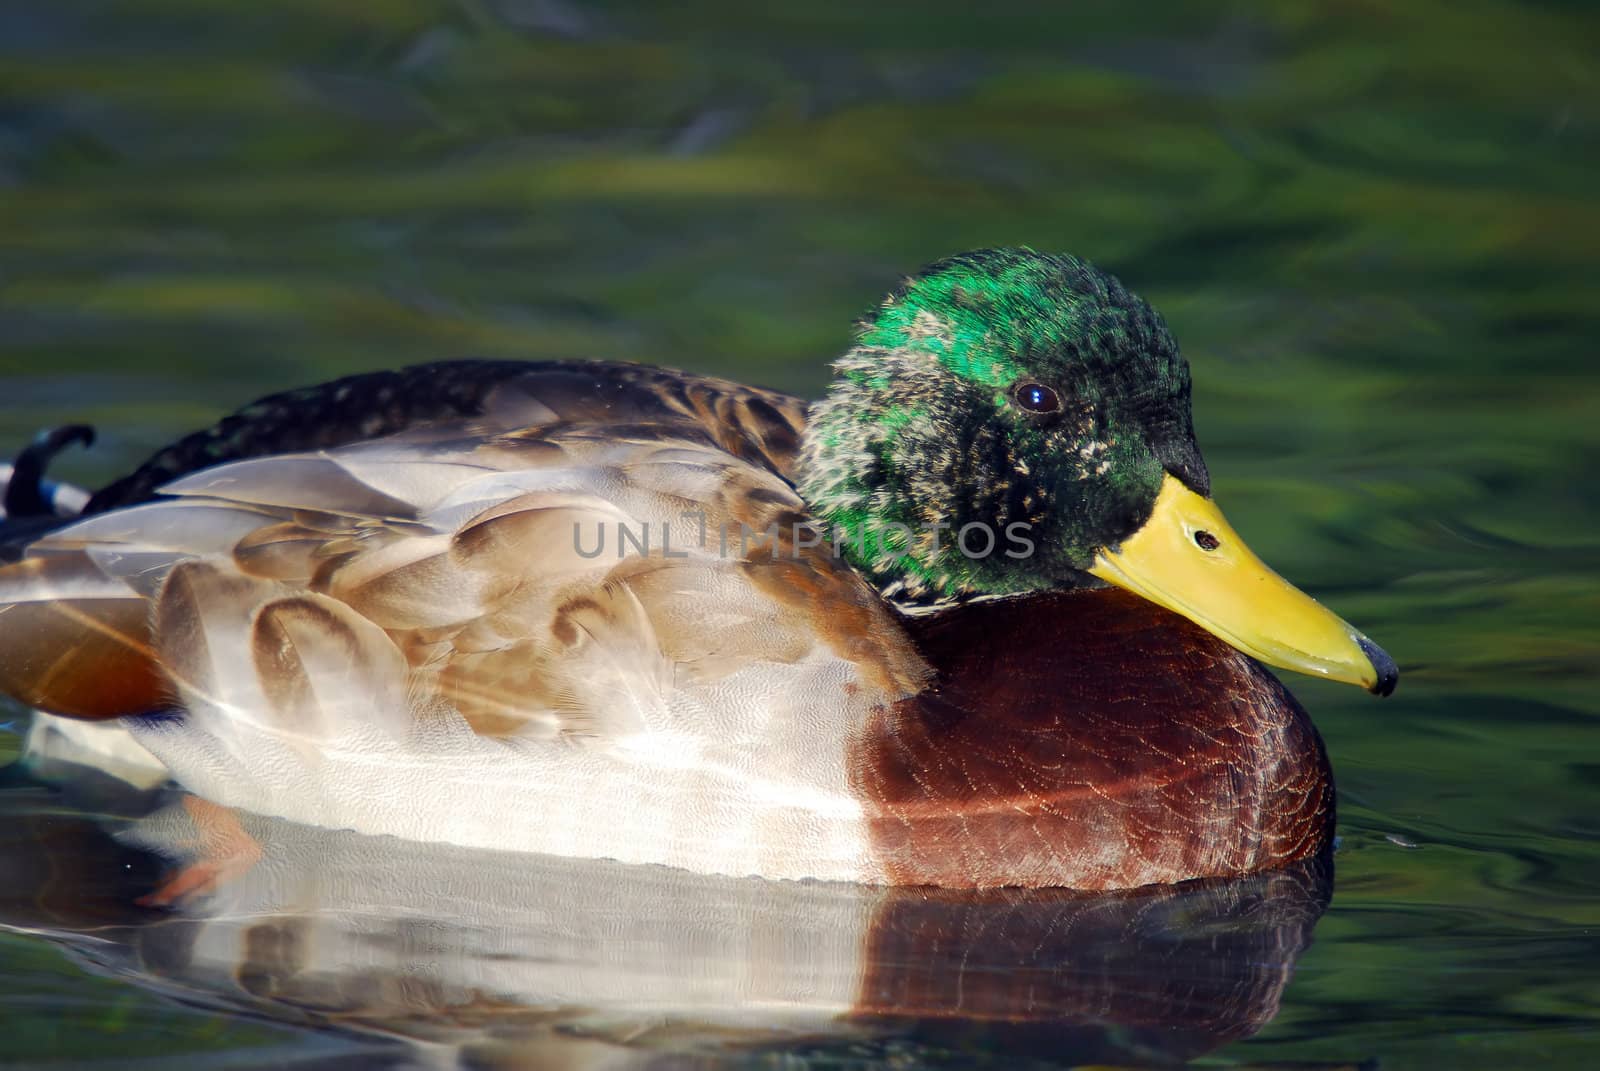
1038, 398
1206, 541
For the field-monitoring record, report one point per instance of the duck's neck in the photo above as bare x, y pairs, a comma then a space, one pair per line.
882, 470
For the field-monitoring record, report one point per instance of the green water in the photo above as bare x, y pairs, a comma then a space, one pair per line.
1372, 227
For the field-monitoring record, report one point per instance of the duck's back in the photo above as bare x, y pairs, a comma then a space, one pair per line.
583, 619
760, 426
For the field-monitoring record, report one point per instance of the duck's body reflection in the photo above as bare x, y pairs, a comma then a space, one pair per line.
502, 958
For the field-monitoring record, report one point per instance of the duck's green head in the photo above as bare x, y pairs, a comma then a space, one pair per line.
1013, 421
1000, 388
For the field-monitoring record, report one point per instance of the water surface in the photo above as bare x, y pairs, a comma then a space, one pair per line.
1371, 227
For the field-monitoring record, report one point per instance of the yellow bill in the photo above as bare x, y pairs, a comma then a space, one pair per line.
1188, 559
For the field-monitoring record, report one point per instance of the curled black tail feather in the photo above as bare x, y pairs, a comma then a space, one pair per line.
30, 502
27, 493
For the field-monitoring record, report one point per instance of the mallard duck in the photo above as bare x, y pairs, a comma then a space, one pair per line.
971, 620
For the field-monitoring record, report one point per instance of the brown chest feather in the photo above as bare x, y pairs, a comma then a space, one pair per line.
1090, 740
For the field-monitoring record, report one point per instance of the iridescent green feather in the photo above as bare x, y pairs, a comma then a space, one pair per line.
921, 427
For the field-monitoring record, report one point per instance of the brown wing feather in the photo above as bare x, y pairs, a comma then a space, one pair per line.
487, 602
85, 653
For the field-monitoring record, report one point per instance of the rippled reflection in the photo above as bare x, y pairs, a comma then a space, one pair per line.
500, 957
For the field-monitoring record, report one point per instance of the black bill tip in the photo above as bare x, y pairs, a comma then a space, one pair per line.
1388, 672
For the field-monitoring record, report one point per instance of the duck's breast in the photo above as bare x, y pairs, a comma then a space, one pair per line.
1090, 740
